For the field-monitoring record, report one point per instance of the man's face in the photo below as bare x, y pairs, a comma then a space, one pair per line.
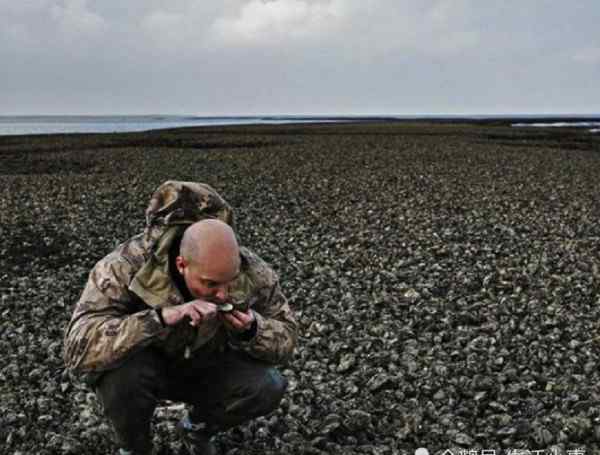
211, 280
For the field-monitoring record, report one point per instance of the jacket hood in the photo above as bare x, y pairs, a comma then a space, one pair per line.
176, 203
173, 207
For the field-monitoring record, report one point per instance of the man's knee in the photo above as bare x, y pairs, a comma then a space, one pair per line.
265, 393
273, 389
134, 384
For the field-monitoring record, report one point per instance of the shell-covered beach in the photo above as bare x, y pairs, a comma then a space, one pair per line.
445, 276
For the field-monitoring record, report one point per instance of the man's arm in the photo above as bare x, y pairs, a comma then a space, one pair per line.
104, 330
276, 328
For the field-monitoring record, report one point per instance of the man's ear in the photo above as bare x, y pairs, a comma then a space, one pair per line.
180, 263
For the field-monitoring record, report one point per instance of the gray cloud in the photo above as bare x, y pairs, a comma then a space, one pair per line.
298, 56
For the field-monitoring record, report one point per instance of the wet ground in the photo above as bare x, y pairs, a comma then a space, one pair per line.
445, 278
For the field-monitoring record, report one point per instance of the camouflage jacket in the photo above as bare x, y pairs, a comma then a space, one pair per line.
115, 315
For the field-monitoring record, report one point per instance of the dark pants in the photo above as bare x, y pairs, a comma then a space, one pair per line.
225, 390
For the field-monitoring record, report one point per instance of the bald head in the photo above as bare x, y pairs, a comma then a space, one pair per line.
208, 240
209, 259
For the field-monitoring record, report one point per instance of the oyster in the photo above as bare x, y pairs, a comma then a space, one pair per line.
225, 308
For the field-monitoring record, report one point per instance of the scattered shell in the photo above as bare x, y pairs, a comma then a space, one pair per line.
445, 279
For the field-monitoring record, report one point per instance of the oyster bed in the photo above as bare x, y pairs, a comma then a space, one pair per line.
445, 277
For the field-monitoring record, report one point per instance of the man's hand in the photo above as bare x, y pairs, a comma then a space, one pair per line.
197, 310
238, 321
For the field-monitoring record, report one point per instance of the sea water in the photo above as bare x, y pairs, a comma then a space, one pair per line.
53, 124
592, 127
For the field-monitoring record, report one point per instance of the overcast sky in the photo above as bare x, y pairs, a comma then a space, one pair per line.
227, 57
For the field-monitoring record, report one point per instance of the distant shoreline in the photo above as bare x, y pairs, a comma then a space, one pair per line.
90, 124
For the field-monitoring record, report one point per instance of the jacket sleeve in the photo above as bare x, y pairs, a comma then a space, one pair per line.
105, 327
276, 329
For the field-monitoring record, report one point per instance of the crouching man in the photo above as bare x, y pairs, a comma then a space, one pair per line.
182, 313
